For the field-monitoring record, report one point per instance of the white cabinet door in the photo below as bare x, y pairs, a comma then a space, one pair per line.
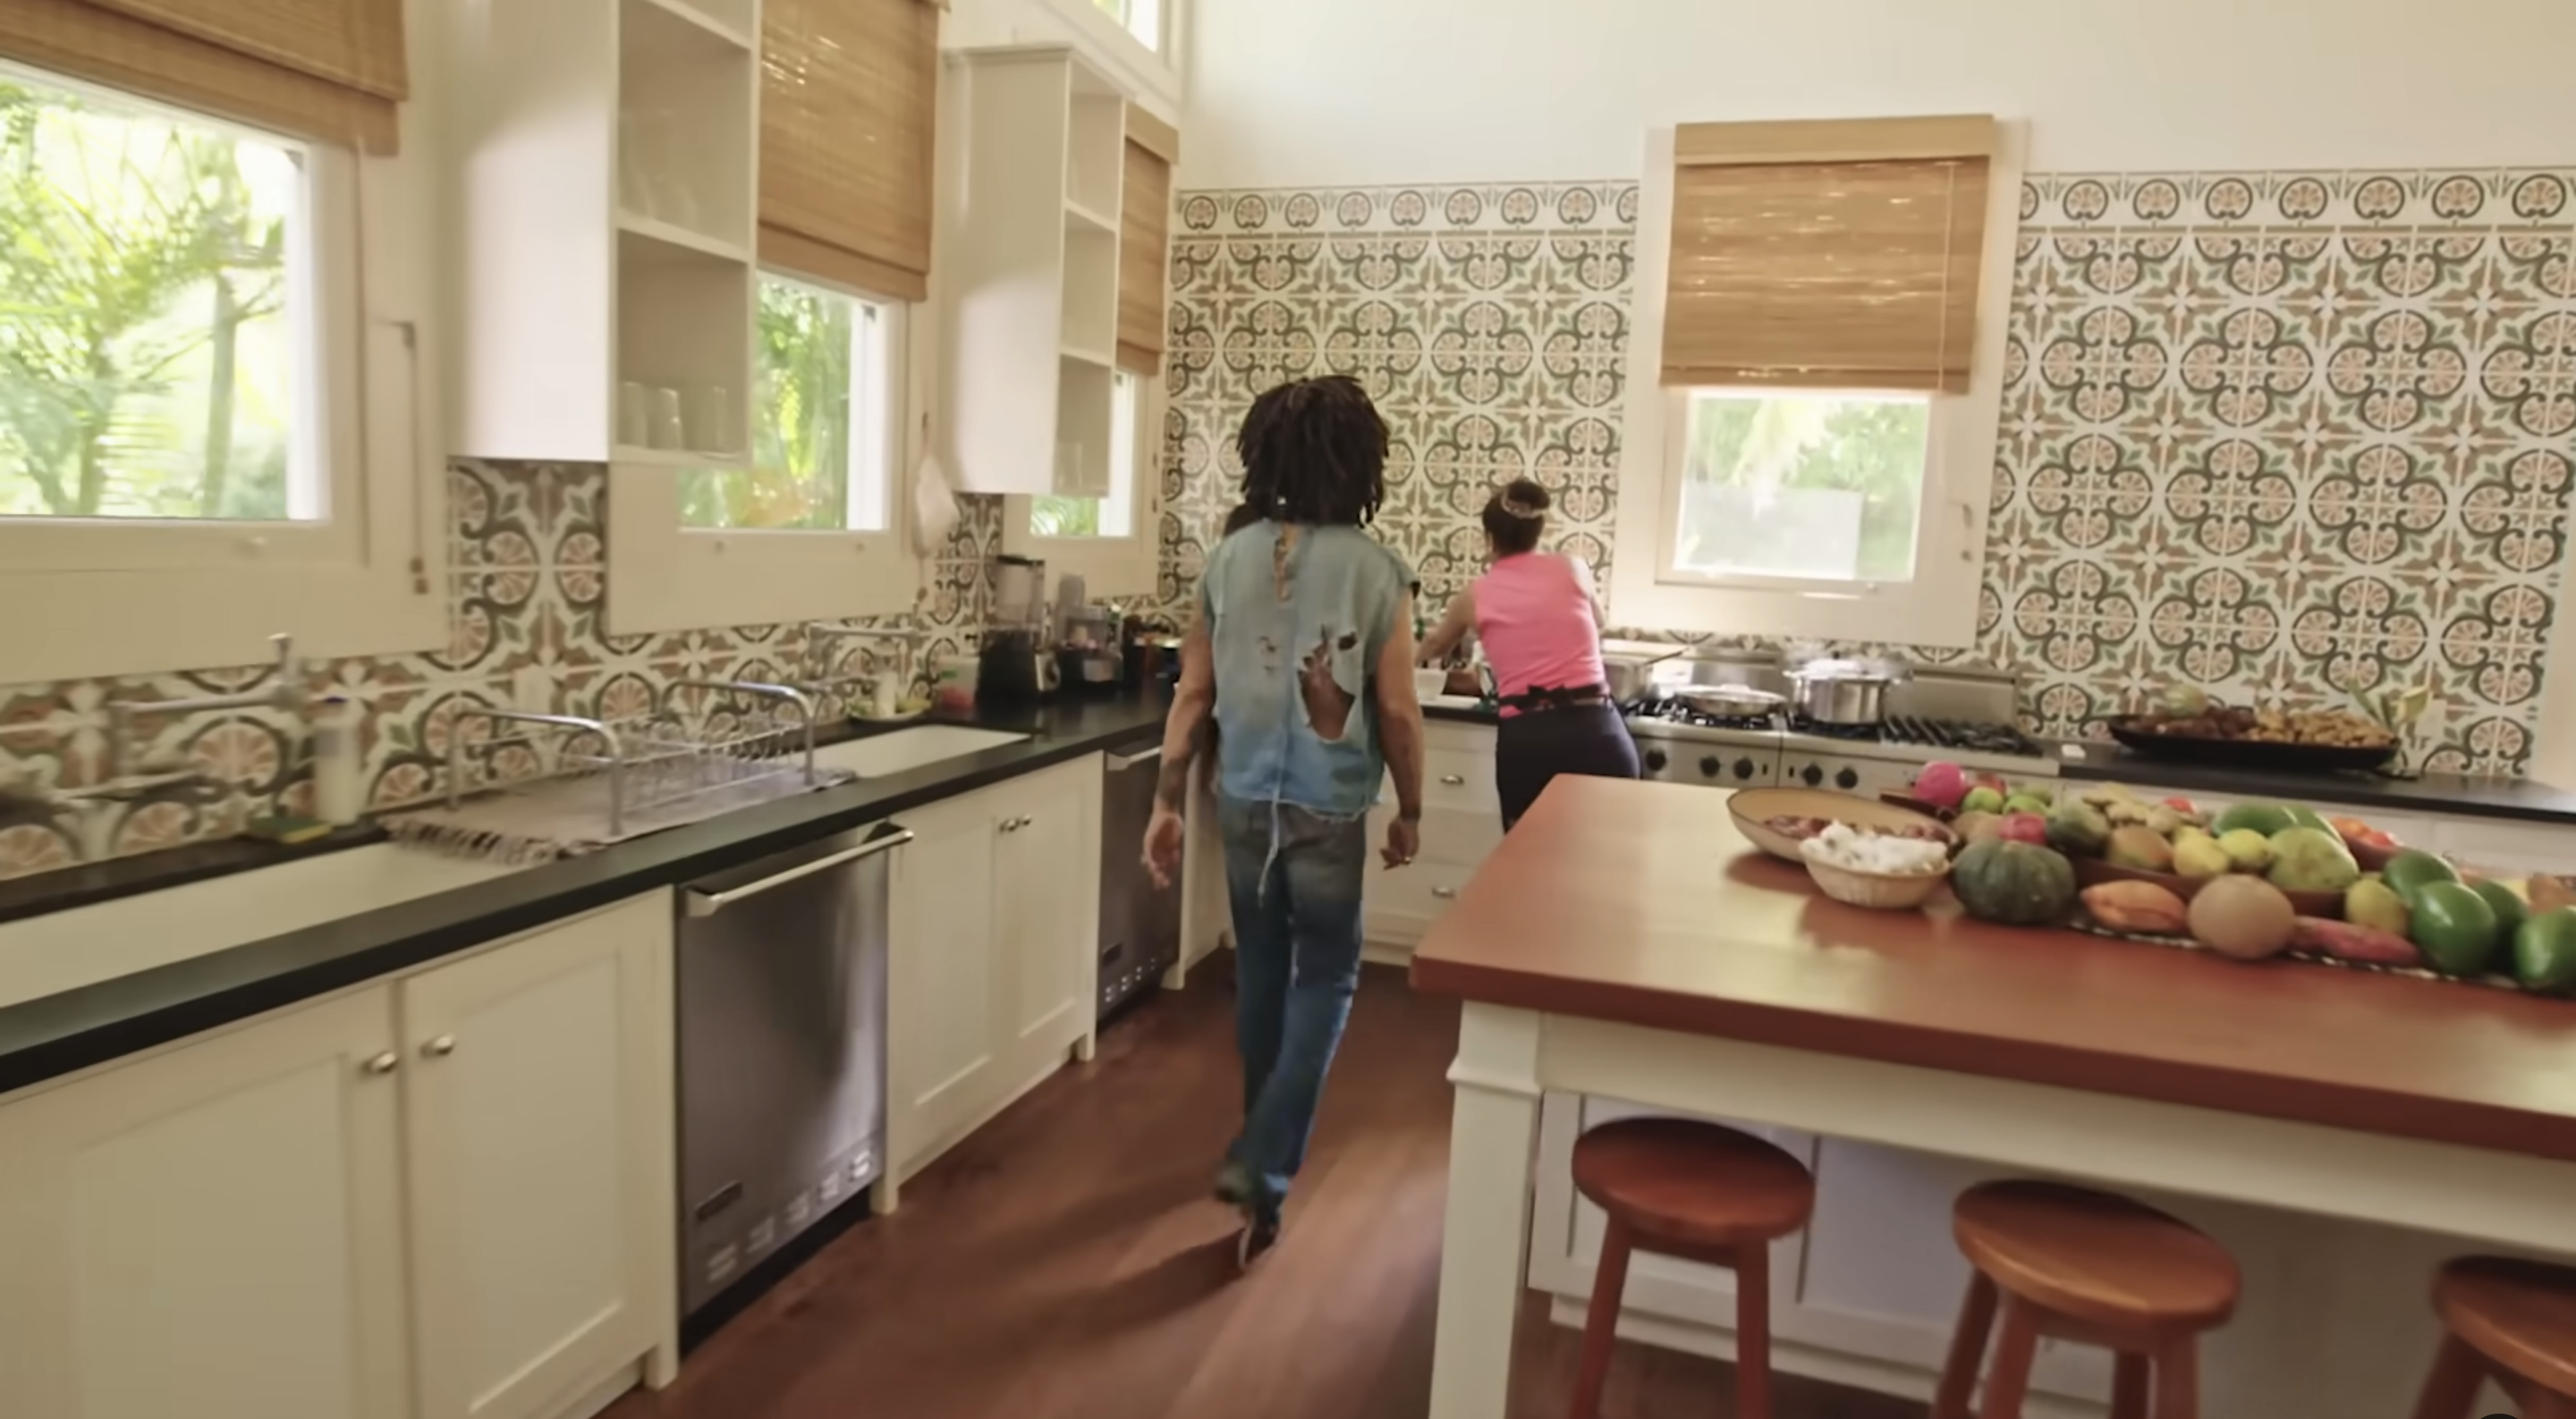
942, 1032
1048, 858
539, 1131
214, 1230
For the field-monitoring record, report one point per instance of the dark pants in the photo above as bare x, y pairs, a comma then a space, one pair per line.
1532, 748
1294, 880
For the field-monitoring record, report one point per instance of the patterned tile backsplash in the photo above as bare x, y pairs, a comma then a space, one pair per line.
2285, 435
529, 580
2288, 435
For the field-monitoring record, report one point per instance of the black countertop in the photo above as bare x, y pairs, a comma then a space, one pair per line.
2454, 795
54, 1035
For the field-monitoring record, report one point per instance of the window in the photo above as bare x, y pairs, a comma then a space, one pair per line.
212, 362
1798, 485
1114, 515
1141, 18
823, 441
156, 331
1827, 340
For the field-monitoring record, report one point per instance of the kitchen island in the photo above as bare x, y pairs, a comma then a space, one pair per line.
2340, 1132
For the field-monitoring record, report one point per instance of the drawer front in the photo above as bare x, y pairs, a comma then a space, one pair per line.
1416, 896
1449, 835
1456, 778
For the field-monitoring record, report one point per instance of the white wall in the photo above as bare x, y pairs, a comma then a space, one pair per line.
1333, 92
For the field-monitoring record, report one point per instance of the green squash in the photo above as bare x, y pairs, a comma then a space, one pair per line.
2014, 884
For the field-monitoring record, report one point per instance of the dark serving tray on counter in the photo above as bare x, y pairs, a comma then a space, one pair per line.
2132, 731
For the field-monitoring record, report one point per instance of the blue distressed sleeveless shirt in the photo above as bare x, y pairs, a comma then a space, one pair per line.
1296, 642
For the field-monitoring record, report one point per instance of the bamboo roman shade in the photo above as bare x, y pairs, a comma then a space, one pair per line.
1835, 254
1144, 239
331, 71
847, 108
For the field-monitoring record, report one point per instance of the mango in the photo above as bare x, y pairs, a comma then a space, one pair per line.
2139, 849
1982, 799
2311, 860
2198, 856
2247, 849
2373, 903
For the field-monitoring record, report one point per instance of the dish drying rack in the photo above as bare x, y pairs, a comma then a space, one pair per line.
602, 780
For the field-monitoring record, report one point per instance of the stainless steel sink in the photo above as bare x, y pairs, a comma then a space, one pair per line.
881, 754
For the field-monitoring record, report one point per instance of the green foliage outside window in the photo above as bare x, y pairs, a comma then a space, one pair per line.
147, 364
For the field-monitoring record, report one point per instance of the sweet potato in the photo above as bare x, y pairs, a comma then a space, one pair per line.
2345, 941
2142, 907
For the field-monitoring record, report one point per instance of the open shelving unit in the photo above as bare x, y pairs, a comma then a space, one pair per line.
1030, 270
608, 220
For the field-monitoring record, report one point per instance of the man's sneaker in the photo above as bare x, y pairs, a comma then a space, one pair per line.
1260, 1234
1235, 1187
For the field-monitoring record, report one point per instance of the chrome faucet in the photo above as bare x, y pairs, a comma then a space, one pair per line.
282, 691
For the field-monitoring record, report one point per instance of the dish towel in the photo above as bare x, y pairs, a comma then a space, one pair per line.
934, 503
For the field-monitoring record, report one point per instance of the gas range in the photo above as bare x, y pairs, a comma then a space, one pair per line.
1678, 744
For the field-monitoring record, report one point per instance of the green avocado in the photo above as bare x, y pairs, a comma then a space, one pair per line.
2509, 909
2414, 868
2302, 816
2456, 929
2264, 818
2544, 951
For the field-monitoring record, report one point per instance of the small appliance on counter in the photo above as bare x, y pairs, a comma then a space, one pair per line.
1017, 665
1087, 656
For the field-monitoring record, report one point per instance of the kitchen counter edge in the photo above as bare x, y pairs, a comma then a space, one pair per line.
55, 1035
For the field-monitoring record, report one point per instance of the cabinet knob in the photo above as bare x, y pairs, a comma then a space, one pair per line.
385, 1063
440, 1048
1446, 894
1454, 780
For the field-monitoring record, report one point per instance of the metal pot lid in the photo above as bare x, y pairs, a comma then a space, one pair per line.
1735, 654
1847, 672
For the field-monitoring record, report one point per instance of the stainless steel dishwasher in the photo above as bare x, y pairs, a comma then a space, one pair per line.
782, 1001
1140, 924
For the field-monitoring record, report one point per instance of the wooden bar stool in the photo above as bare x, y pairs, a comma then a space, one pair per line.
2074, 1264
2512, 1321
1702, 1193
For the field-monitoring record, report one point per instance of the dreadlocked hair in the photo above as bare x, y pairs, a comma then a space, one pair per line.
1314, 452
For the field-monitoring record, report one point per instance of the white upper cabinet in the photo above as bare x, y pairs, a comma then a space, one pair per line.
604, 232
1035, 143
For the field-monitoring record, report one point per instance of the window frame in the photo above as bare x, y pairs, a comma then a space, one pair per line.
670, 577
1123, 566
127, 596
1939, 606
1146, 71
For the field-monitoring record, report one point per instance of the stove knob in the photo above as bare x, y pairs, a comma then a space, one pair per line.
1847, 780
1655, 760
1813, 775
1711, 766
1744, 768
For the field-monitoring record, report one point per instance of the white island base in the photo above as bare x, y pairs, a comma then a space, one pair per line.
2336, 1318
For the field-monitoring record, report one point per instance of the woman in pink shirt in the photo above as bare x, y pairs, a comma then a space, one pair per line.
1538, 615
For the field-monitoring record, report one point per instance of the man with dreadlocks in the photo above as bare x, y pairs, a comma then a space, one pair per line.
1302, 650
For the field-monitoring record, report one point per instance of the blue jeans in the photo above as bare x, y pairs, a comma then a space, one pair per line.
1296, 900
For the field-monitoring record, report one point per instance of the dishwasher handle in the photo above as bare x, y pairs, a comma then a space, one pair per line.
1120, 763
706, 904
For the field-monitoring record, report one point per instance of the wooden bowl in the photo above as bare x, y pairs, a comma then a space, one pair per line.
1752, 806
2093, 872
1879, 891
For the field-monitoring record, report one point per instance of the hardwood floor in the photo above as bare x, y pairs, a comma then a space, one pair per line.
1065, 1263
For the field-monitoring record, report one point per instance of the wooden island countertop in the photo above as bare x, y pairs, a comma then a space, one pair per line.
1642, 904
